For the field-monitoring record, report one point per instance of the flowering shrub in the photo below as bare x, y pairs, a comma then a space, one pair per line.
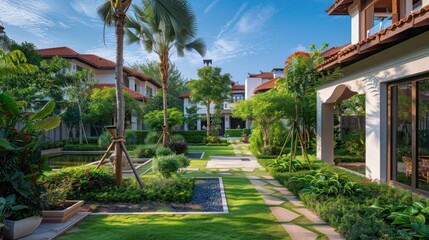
21, 163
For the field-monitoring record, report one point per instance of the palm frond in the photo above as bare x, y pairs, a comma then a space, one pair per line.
197, 45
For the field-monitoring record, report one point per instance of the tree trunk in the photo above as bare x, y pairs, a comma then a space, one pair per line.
208, 119
120, 118
265, 137
163, 69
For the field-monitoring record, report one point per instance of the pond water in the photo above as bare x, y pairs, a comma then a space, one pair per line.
72, 160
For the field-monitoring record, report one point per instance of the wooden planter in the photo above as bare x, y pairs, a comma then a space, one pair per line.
20, 228
62, 215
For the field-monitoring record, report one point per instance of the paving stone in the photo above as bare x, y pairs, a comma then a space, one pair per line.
299, 233
189, 169
248, 169
283, 215
274, 183
310, 215
258, 183
263, 190
269, 200
268, 177
329, 232
225, 173
224, 170
295, 201
253, 177
282, 190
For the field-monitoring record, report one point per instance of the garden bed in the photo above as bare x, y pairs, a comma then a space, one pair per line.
207, 196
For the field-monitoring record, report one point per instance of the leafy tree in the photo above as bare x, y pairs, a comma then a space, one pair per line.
102, 107
155, 119
265, 109
192, 118
176, 85
216, 121
14, 63
161, 36
29, 50
212, 87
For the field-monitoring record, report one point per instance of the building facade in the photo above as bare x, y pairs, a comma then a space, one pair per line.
387, 61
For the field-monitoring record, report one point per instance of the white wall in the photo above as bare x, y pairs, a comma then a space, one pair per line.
250, 85
370, 76
355, 23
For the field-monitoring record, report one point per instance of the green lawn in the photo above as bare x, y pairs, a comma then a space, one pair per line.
249, 217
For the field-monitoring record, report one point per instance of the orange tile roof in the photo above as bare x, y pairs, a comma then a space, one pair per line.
339, 7
134, 94
266, 86
185, 95
264, 75
238, 88
406, 28
92, 60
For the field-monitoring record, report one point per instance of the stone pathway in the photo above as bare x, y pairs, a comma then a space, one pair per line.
289, 211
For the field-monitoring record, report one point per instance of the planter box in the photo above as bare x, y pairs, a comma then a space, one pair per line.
20, 228
62, 215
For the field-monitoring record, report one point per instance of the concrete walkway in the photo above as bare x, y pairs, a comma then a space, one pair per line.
299, 222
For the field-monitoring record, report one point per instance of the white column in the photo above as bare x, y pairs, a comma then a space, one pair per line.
227, 122
199, 125
325, 131
373, 135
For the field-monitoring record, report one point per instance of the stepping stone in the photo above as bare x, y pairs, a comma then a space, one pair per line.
282, 190
329, 232
299, 233
262, 190
295, 201
268, 177
283, 215
274, 183
189, 169
226, 173
258, 183
224, 170
310, 215
248, 169
253, 177
272, 200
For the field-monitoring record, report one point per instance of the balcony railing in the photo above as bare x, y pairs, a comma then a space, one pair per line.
378, 27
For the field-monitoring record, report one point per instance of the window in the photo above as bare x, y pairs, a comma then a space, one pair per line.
149, 92
409, 134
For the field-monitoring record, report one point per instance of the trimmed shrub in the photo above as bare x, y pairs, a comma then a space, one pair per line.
348, 159
163, 151
178, 138
50, 145
85, 147
178, 147
145, 151
135, 137
183, 161
212, 139
234, 132
104, 139
166, 166
152, 137
247, 131
192, 136
271, 150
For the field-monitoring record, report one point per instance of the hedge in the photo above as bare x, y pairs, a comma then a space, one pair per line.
237, 132
348, 159
135, 137
192, 136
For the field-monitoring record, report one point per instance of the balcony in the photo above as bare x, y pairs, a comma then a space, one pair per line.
228, 106
379, 24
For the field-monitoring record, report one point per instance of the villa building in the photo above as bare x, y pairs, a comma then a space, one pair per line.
387, 61
138, 85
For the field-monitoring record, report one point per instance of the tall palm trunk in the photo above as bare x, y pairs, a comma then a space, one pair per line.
119, 30
163, 69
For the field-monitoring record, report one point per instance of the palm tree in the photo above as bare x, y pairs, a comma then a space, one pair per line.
161, 34
113, 12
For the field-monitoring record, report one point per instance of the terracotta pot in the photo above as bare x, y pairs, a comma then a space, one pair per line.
62, 215
244, 139
21, 228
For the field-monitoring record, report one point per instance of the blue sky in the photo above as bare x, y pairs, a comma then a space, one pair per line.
241, 36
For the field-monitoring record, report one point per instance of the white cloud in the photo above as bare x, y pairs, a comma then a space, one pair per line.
63, 25
253, 20
87, 8
299, 48
227, 26
210, 6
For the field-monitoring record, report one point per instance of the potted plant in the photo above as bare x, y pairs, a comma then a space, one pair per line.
244, 138
7, 207
21, 163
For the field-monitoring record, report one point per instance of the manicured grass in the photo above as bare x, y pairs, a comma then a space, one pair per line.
212, 150
249, 218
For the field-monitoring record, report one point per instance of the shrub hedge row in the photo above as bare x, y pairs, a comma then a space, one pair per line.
237, 132
348, 159
192, 136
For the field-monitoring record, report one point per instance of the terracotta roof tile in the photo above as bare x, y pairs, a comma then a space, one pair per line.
185, 95
266, 86
339, 7
264, 75
397, 26
238, 88
134, 94
92, 60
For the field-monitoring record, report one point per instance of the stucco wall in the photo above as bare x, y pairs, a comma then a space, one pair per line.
370, 77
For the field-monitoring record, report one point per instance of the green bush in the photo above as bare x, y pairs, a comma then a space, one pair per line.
218, 144
348, 159
135, 137
166, 166
247, 131
85, 147
234, 132
283, 164
152, 137
212, 139
145, 151
178, 138
184, 161
178, 147
50, 145
163, 151
192, 136
105, 139
271, 150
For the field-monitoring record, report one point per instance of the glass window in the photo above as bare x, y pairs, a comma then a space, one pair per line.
149, 91
423, 134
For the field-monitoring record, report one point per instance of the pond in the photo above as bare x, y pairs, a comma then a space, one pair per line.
72, 160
